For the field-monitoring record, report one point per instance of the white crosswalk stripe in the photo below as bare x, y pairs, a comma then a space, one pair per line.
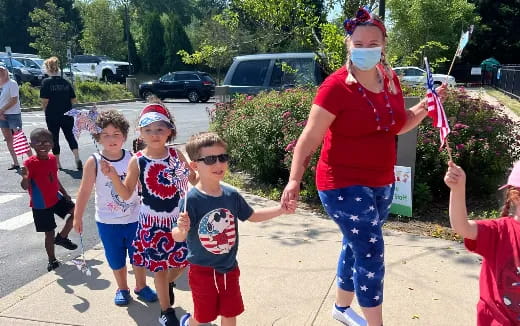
8, 197
17, 222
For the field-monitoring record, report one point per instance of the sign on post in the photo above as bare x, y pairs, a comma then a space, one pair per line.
402, 202
8, 51
69, 54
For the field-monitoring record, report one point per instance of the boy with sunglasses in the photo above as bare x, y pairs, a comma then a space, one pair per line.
48, 197
210, 229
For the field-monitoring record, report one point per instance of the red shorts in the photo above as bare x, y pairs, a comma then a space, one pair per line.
215, 294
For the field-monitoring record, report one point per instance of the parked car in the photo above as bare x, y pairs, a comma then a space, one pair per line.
32, 61
22, 73
8, 72
251, 74
193, 85
102, 66
79, 75
415, 76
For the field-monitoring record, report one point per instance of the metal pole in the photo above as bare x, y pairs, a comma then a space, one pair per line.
382, 9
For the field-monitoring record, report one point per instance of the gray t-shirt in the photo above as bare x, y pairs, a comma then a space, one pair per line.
9, 90
213, 236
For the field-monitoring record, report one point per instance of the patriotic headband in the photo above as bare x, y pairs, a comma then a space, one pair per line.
151, 117
363, 17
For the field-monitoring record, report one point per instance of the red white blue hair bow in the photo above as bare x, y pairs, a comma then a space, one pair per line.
363, 17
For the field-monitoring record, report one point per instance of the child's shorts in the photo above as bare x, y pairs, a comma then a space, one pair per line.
117, 240
44, 218
12, 121
215, 293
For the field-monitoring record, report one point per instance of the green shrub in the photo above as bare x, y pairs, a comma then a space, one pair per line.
261, 132
29, 96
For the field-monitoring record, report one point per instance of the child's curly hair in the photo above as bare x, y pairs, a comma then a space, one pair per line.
114, 118
512, 195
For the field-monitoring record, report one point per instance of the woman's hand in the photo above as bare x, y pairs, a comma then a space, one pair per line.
442, 91
290, 193
78, 225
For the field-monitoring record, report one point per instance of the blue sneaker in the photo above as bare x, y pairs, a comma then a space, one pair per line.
185, 320
122, 298
147, 294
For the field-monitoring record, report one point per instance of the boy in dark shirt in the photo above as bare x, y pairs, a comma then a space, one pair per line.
211, 230
48, 197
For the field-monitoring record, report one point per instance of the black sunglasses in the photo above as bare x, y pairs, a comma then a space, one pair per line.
212, 159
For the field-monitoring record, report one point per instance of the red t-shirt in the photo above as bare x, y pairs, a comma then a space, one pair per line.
354, 152
43, 181
498, 242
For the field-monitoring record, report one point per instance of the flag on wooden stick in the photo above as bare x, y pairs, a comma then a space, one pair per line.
20, 144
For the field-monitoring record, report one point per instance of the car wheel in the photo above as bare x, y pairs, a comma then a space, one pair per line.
108, 76
145, 94
193, 96
204, 99
18, 79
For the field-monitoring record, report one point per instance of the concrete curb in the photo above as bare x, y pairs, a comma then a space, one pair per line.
79, 105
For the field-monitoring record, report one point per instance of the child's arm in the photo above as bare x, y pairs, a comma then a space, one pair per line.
126, 188
63, 191
456, 179
264, 214
25, 178
193, 178
180, 232
85, 189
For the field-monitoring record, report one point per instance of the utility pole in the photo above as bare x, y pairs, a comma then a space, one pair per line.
382, 9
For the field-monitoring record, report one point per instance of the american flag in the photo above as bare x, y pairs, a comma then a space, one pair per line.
435, 108
20, 144
179, 174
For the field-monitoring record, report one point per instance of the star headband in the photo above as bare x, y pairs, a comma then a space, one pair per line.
363, 17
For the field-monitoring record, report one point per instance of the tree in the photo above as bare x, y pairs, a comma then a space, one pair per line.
175, 40
497, 34
152, 47
103, 29
52, 34
413, 28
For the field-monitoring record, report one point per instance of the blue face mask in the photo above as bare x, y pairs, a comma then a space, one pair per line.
365, 58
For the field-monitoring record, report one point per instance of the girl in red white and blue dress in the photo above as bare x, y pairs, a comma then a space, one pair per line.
157, 168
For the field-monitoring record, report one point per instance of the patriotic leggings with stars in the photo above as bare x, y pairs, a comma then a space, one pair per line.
360, 213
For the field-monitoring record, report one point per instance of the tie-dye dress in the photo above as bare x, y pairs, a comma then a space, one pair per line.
155, 247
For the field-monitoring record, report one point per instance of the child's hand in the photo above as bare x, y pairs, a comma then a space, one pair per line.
289, 207
23, 172
455, 177
108, 169
183, 222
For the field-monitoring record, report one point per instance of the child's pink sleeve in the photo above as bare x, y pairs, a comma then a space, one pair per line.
487, 237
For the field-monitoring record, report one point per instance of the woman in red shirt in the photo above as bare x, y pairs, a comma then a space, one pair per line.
357, 112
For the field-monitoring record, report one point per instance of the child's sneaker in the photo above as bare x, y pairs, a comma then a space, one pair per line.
185, 320
52, 265
122, 297
348, 317
65, 242
147, 294
168, 318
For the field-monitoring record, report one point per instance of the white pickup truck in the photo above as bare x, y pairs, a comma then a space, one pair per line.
416, 76
105, 68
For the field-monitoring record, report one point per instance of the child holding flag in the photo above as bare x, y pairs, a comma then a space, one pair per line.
160, 171
498, 242
48, 197
116, 219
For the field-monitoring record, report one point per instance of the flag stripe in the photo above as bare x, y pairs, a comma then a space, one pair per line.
435, 108
20, 144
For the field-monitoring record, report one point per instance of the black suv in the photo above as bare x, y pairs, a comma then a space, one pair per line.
22, 73
193, 85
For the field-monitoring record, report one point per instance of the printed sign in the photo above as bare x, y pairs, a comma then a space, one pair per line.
8, 51
402, 203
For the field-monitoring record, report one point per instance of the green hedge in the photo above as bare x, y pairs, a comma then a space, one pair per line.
262, 130
86, 91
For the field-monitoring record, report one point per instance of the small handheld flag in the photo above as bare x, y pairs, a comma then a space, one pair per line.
20, 144
179, 175
85, 120
435, 108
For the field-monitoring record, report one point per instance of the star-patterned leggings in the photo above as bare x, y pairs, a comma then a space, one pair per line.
360, 213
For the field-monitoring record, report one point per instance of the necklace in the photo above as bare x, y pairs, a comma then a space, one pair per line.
361, 90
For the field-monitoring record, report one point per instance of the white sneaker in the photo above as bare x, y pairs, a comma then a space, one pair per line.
349, 317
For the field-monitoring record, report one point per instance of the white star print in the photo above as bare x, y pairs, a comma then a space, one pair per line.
364, 288
373, 240
389, 206
340, 280
381, 255
371, 275
354, 217
358, 199
386, 197
376, 298
355, 231
344, 247
368, 255
336, 215
353, 270
371, 208
352, 277
350, 245
374, 222
343, 262
340, 198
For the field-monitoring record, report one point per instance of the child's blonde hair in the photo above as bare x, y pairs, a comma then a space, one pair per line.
200, 140
52, 65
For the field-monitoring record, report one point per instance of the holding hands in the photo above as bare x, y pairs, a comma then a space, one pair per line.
290, 193
289, 207
455, 177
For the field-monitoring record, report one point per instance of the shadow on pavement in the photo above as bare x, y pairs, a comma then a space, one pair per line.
75, 174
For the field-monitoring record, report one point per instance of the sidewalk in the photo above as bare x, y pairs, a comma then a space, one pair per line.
287, 278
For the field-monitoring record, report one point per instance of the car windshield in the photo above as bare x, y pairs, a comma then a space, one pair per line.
207, 78
39, 62
7, 62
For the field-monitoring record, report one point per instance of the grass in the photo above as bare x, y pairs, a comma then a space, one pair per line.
505, 99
